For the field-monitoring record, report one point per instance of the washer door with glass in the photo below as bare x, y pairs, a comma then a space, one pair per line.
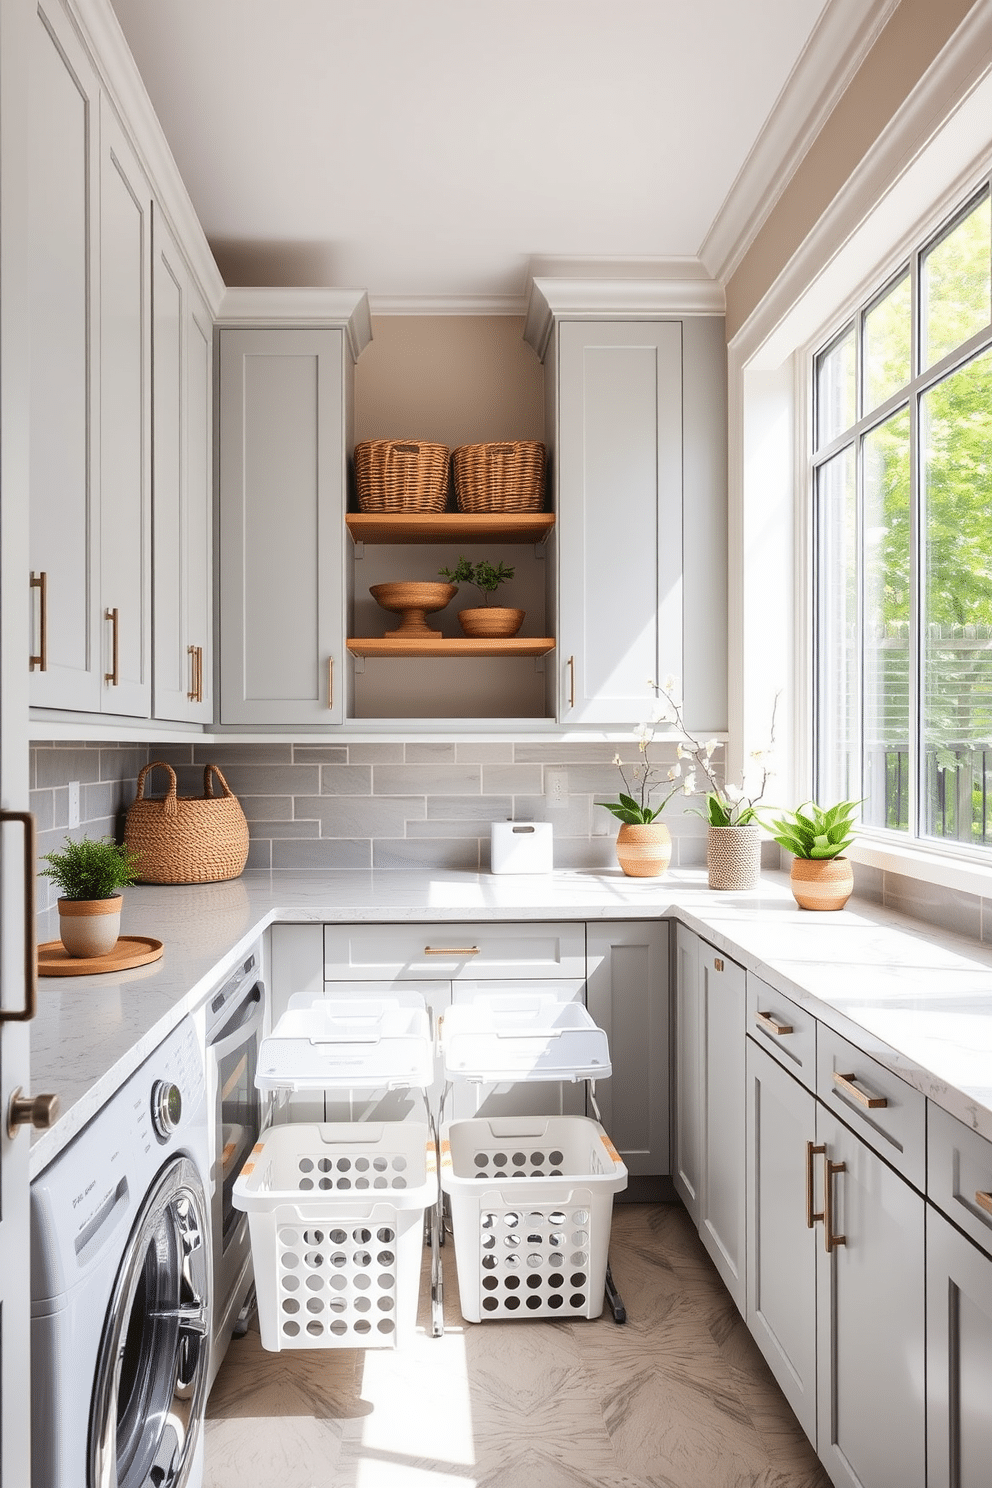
151, 1374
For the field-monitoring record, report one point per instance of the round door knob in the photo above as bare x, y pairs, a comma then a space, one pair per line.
38, 1111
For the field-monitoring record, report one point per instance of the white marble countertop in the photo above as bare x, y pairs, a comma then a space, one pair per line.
918, 1000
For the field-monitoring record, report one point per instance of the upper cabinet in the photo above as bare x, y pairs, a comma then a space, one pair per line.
636, 421
285, 432
91, 392
182, 488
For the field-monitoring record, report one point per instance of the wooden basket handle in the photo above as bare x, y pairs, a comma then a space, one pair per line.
171, 805
208, 785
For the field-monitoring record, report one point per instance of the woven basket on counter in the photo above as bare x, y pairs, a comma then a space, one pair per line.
395, 475
187, 839
506, 477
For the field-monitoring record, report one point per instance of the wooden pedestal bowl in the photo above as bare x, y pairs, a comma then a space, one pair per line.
413, 601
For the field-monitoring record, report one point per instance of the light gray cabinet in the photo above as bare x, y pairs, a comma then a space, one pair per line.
284, 432
182, 351
835, 1268
627, 995
709, 1103
619, 488
959, 1351
90, 471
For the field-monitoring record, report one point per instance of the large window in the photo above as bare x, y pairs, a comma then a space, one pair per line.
902, 523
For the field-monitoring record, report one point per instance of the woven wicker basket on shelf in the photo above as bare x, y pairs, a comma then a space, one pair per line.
506, 477
187, 840
401, 475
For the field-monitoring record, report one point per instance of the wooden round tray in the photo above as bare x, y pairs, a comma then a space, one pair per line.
130, 950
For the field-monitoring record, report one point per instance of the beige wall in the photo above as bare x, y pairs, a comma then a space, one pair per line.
454, 379
911, 40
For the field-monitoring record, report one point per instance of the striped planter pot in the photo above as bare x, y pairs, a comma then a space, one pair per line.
644, 850
822, 883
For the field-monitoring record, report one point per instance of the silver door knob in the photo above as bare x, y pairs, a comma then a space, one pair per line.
38, 1111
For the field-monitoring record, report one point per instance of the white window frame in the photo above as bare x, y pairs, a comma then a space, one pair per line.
935, 153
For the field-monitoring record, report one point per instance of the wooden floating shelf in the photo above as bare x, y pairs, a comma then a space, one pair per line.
441, 527
452, 646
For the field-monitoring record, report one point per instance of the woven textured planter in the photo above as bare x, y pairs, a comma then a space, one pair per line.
733, 857
822, 883
490, 620
187, 839
644, 850
90, 927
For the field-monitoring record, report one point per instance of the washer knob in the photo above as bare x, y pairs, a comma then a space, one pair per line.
167, 1107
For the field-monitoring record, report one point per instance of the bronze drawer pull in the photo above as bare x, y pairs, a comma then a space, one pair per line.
112, 678
39, 662
771, 1025
812, 1150
870, 1102
830, 1240
451, 950
984, 1201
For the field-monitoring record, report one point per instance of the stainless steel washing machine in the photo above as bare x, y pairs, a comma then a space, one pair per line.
121, 1286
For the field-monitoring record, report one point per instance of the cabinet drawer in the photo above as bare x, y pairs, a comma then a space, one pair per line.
886, 1112
455, 952
959, 1175
783, 1028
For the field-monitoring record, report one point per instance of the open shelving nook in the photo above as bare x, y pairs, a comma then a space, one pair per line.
463, 531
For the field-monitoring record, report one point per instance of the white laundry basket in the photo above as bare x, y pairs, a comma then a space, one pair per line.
336, 1215
531, 1208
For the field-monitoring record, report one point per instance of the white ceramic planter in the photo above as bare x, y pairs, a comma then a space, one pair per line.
90, 927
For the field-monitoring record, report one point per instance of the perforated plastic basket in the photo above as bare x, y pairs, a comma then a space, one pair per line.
335, 1213
531, 1208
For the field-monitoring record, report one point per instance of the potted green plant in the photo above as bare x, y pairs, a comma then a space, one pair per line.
644, 844
90, 872
488, 619
821, 877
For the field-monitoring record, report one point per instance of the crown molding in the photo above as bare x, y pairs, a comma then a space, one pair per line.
101, 34
347, 308
553, 299
448, 304
843, 36
935, 147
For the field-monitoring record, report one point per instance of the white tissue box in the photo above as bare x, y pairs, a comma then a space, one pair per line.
522, 847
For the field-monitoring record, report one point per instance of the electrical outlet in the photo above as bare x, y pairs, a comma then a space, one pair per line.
555, 788
74, 803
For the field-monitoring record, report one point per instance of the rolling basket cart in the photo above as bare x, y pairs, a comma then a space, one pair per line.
531, 1197
336, 1210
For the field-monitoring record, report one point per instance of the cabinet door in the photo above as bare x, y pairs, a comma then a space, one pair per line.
959, 1348
688, 1135
282, 516
627, 995
870, 1321
125, 423
181, 352
64, 513
781, 1245
619, 461
722, 1211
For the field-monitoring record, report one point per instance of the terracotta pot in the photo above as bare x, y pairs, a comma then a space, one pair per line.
90, 927
644, 850
733, 857
822, 883
490, 620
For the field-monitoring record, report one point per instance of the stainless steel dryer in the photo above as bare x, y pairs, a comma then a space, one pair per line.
121, 1286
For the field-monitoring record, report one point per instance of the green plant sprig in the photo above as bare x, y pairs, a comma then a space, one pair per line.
486, 576
93, 868
812, 832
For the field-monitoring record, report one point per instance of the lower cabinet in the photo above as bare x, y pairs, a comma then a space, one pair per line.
836, 1282
710, 1006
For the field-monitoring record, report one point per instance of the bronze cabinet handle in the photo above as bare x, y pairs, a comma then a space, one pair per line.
813, 1149
191, 695
38, 1111
771, 1025
330, 681
39, 662
831, 1240
571, 681
451, 950
984, 1201
112, 677
870, 1102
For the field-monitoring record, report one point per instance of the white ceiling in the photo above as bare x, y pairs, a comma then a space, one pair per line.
431, 149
